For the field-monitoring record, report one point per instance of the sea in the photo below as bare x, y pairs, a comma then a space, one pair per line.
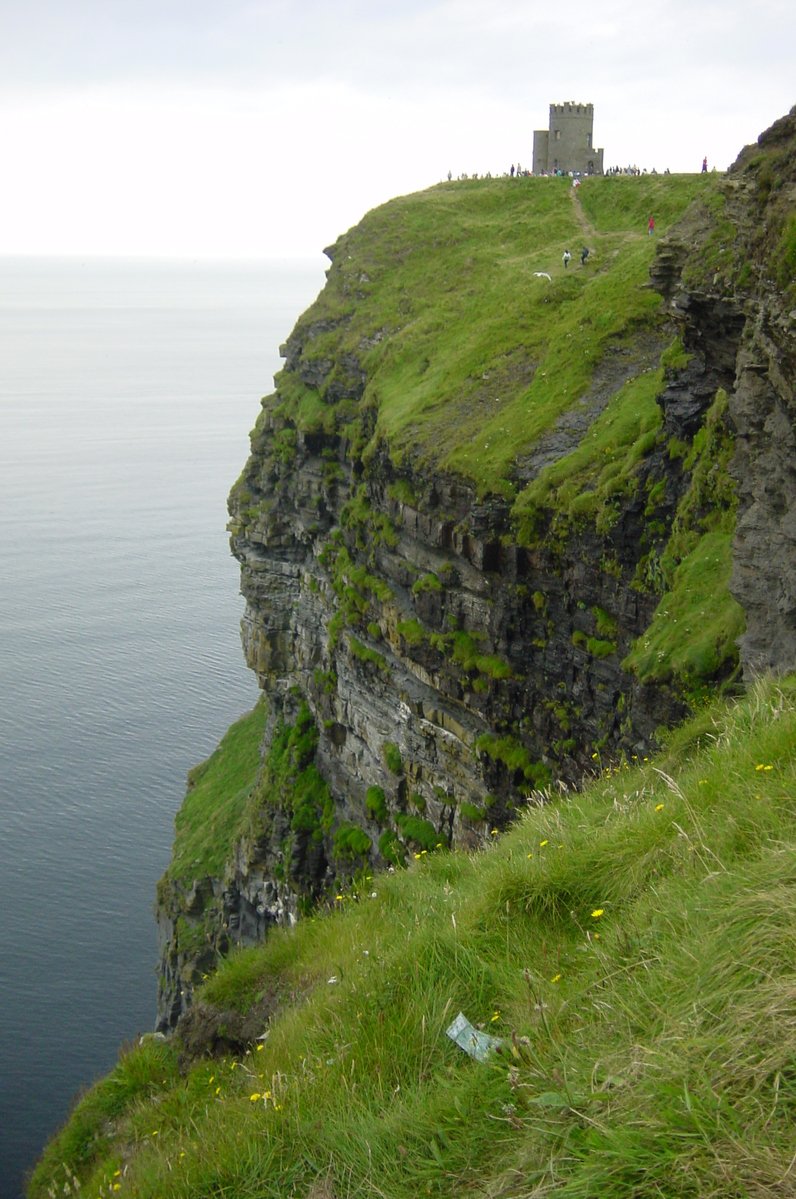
127, 392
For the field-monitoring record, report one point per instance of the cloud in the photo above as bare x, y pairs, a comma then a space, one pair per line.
269, 126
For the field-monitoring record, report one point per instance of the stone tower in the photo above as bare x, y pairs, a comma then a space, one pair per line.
568, 144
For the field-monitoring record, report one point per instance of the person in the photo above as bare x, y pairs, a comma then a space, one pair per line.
705, 163
511, 172
584, 254
651, 226
565, 257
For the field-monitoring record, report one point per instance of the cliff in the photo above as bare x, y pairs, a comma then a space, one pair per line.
516, 542
497, 528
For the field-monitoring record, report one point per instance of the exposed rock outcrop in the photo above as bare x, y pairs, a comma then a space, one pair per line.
736, 300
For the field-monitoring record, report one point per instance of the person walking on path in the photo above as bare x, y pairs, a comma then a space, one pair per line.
565, 257
584, 254
651, 226
705, 163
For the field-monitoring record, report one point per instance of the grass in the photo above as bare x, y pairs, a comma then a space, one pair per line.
590, 481
469, 363
634, 948
695, 629
215, 802
697, 624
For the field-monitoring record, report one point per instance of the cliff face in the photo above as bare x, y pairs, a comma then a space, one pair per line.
736, 299
764, 402
454, 606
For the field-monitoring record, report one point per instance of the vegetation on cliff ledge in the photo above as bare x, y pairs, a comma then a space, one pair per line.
634, 949
216, 800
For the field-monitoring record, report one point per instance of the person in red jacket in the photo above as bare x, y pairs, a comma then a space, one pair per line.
651, 226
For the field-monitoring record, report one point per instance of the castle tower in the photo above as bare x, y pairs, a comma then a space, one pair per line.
568, 144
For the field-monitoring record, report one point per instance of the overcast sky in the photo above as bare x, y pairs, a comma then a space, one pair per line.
265, 128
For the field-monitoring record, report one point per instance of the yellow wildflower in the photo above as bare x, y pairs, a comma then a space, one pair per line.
597, 913
659, 807
542, 844
555, 978
495, 1016
255, 1096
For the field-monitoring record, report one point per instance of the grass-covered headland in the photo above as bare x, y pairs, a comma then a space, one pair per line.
634, 948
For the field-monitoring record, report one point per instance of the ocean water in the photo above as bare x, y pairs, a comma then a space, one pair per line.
127, 390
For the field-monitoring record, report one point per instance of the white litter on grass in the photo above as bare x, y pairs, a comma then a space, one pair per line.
478, 1044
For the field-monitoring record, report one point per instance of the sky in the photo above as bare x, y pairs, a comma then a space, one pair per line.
266, 128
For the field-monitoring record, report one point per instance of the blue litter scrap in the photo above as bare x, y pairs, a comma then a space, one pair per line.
478, 1044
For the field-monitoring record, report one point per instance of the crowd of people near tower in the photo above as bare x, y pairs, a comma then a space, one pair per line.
517, 171
634, 170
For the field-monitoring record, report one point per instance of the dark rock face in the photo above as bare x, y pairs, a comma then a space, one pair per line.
743, 332
764, 410
520, 606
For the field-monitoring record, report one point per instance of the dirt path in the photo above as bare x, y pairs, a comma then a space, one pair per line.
591, 237
587, 229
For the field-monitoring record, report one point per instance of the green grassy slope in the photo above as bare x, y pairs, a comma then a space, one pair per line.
214, 806
470, 353
633, 946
